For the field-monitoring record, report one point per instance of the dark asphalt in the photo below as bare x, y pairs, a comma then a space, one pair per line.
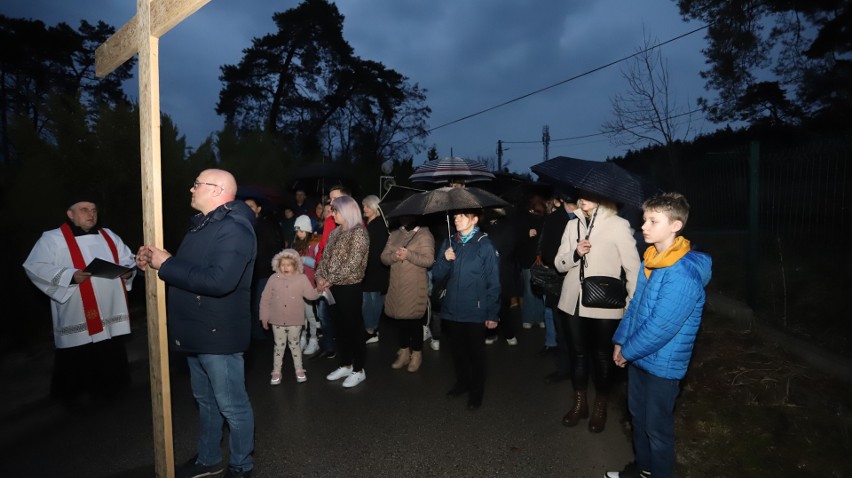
394, 424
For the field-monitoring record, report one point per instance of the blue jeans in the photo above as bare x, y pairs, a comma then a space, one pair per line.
532, 311
371, 309
651, 401
549, 328
327, 340
219, 387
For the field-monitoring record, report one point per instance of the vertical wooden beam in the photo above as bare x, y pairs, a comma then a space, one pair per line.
152, 223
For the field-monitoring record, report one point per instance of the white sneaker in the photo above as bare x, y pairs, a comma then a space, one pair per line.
354, 378
276, 378
373, 338
301, 376
490, 339
512, 341
339, 373
526, 325
312, 348
541, 325
435, 344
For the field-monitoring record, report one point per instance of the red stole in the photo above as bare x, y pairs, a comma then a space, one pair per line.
87, 292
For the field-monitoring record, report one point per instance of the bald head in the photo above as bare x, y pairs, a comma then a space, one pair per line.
212, 188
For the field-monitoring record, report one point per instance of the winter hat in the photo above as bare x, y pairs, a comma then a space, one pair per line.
288, 254
303, 223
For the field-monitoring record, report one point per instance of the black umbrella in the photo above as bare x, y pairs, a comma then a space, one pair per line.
445, 200
602, 178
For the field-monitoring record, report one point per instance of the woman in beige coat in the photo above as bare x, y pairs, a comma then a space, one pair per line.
409, 252
607, 250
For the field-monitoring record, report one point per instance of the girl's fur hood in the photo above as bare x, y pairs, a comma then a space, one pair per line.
288, 253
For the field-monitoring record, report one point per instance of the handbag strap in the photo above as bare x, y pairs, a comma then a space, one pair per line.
583, 258
416, 230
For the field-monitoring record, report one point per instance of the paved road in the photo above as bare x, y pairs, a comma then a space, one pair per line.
394, 424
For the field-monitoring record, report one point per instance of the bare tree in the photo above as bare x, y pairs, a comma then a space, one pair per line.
648, 113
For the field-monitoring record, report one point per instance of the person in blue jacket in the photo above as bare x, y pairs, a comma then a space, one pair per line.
471, 305
657, 334
209, 318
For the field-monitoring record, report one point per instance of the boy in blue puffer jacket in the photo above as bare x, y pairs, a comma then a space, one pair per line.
658, 332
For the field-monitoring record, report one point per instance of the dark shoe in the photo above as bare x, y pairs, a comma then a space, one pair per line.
237, 473
192, 469
556, 377
545, 351
579, 410
597, 421
473, 403
456, 391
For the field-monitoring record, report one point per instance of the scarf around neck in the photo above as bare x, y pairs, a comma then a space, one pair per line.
468, 236
659, 260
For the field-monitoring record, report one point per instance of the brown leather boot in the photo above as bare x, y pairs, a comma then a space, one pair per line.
579, 410
598, 418
416, 360
403, 356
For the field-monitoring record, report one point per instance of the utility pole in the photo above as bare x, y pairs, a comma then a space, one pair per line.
500, 155
545, 140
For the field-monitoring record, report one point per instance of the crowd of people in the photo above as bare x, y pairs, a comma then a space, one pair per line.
324, 273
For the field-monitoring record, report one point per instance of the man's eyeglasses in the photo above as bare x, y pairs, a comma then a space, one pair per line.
195, 184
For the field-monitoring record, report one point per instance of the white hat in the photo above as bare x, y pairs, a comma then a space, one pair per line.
303, 223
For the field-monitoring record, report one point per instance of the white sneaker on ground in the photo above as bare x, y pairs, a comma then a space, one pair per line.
373, 338
541, 325
435, 344
512, 341
276, 378
526, 325
339, 373
490, 339
312, 348
354, 378
301, 377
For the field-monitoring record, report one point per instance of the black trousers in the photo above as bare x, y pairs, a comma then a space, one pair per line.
467, 345
591, 349
349, 325
410, 333
99, 369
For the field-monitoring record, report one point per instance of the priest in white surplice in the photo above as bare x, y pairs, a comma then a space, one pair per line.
89, 313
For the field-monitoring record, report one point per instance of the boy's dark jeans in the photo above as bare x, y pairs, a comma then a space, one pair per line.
651, 401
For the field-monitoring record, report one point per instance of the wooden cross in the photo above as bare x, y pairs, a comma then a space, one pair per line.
142, 35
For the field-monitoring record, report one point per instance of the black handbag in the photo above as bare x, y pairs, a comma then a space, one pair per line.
546, 278
601, 292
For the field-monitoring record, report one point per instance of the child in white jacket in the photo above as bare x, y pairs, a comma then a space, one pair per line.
282, 306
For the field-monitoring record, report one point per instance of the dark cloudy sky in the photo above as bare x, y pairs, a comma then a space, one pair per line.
469, 54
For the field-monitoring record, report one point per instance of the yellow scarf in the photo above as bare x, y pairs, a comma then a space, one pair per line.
655, 260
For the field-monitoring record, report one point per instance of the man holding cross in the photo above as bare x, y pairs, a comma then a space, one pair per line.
209, 318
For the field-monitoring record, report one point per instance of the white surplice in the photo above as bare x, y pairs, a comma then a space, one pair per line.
49, 267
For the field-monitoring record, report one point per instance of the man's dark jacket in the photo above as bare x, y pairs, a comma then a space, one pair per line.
209, 282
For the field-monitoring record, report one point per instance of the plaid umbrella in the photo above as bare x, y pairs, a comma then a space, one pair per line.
602, 178
453, 167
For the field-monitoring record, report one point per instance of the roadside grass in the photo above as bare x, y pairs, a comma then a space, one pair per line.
748, 408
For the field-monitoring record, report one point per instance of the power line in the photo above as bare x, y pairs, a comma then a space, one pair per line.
586, 73
592, 135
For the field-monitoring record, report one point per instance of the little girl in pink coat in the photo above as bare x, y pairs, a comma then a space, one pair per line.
282, 306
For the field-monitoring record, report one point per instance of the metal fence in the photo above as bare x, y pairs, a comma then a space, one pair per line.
778, 225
